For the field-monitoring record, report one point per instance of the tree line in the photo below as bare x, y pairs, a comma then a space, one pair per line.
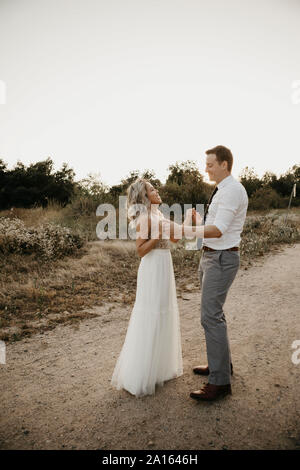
37, 184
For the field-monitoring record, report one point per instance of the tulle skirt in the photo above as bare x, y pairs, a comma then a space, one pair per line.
151, 353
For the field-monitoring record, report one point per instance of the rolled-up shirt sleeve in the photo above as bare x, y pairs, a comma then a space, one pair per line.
228, 206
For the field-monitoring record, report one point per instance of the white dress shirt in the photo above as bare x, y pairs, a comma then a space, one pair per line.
227, 211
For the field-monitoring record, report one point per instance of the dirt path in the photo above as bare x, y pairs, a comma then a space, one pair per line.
55, 388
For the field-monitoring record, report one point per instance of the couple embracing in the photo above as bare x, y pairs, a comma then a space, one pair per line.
151, 353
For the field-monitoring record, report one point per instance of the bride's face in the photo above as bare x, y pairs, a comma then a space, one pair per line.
152, 194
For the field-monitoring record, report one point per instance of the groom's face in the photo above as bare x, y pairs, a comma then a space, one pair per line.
214, 169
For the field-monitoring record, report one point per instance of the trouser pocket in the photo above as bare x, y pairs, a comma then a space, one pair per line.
200, 271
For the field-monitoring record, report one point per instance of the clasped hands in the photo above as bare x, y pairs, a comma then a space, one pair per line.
186, 229
194, 216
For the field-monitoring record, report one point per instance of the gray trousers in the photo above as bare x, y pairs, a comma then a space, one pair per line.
217, 270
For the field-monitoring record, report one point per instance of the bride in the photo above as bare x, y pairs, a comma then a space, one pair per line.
151, 353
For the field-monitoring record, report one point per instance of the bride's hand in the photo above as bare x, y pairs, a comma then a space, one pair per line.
188, 215
188, 218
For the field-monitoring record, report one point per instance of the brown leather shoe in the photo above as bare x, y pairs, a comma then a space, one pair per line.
211, 392
204, 370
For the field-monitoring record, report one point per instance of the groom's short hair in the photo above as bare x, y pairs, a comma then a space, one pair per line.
223, 154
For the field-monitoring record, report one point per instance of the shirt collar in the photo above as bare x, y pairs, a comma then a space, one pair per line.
225, 181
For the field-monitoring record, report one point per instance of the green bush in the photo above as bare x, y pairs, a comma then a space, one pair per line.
265, 198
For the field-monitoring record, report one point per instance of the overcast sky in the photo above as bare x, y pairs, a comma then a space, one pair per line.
116, 85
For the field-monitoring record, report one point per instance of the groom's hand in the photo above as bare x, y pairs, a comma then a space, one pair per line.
197, 219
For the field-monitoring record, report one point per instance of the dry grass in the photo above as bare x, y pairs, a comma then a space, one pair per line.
36, 296
83, 225
35, 216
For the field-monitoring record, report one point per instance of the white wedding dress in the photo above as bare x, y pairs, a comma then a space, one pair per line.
151, 353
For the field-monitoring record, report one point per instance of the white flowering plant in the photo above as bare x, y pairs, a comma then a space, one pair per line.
47, 241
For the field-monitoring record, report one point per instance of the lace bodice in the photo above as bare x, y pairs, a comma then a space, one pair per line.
162, 245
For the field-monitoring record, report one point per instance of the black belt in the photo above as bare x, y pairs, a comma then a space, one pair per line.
234, 248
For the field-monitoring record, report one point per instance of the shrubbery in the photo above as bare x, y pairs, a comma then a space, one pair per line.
35, 185
38, 185
266, 198
271, 191
48, 241
261, 233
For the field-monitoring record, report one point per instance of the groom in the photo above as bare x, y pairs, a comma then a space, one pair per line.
224, 218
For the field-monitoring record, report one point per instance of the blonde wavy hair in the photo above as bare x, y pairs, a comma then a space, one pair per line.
137, 200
